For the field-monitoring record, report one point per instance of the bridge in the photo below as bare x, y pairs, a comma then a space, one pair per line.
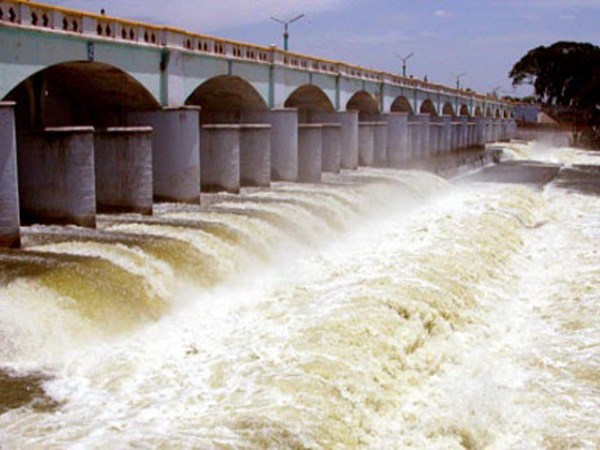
101, 114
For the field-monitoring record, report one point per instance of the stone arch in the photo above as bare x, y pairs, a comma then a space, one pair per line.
365, 103
427, 107
478, 112
309, 100
401, 104
448, 109
225, 99
498, 115
488, 112
505, 115
464, 111
79, 93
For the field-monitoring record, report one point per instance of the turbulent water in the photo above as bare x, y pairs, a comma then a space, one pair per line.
381, 310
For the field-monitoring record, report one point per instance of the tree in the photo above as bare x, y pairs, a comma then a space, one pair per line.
566, 80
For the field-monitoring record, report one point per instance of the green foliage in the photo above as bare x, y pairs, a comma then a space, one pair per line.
566, 79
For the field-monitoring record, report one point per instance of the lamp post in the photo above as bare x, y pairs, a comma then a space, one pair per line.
404, 59
285, 24
458, 77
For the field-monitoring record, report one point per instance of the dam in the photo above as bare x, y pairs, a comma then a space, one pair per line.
282, 281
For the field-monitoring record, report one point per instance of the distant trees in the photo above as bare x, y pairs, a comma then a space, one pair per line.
566, 80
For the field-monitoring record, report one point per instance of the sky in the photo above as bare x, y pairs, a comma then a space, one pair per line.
481, 39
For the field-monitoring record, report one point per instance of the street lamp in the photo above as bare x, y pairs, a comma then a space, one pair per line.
285, 24
458, 77
404, 59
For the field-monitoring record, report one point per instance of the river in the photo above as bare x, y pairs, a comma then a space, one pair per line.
381, 309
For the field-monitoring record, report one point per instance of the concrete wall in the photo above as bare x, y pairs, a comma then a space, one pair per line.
220, 155
366, 143
9, 191
331, 147
175, 152
547, 137
380, 144
397, 139
56, 176
284, 141
255, 155
123, 169
309, 153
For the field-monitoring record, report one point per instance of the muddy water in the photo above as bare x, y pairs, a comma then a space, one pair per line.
384, 309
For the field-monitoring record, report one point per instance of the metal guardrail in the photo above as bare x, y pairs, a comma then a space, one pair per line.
58, 19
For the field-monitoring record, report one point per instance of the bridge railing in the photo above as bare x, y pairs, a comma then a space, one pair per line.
53, 18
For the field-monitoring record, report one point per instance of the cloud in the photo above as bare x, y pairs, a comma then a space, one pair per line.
202, 16
442, 13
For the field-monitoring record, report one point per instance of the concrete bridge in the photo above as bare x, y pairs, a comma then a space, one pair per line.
106, 114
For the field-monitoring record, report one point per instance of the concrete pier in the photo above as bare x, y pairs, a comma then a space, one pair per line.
436, 125
220, 156
414, 131
446, 138
331, 147
123, 169
455, 133
380, 144
56, 176
175, 152
348, 121
366, 143
398, 150
463, 132
9, 191
309, 152
284, 140
424, 145
255, 155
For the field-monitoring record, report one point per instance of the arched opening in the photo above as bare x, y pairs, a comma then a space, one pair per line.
401, 104
488, 112
478, 112
427, 107
448, 110
464, 111
505, 115
366, 105
498, 115
310, 101
78, 93
225, 99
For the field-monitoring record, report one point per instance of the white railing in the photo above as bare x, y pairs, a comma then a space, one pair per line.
53, 18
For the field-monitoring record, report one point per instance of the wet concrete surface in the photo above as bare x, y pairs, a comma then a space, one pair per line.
583, 179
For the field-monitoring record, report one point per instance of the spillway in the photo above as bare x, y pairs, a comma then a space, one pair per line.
379, 309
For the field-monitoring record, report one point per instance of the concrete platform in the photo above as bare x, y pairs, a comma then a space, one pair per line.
521, 172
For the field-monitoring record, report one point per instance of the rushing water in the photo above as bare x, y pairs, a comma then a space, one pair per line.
383, 309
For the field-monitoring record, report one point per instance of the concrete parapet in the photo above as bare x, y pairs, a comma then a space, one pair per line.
366, 143
380, 144
123, 169
310, 156
255, 155
284, 141
331, 147
220, 158
9, 190
175, 152
56, 176
398, 150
